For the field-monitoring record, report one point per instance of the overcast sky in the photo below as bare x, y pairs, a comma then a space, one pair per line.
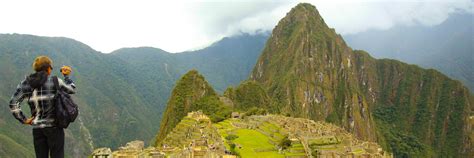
176, 26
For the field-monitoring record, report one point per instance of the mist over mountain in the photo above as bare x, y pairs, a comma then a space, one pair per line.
447, 47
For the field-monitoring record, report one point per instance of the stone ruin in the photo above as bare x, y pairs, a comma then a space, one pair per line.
102, 153
195, 137
133, 145
198, 116
321, 138
235, 115
133, 149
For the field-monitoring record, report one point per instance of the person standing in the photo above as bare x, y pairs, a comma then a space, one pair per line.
39, 90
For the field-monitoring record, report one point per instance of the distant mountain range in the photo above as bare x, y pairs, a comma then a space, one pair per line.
224, 63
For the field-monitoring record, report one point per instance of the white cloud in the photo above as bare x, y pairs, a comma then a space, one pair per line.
356, 16
177, 26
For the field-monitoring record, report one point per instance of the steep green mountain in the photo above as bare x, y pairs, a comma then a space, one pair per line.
191, 93
447, 47
309, 71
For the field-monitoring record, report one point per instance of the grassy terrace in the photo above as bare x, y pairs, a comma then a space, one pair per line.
255, 144
176, 136
296, 149
273, 131
260, 142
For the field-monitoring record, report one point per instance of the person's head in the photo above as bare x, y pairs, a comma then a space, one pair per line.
43, 63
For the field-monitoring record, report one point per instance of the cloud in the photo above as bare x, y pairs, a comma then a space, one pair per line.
177, 26
357, 16
229, 17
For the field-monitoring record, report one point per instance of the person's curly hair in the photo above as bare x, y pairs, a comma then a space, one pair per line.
42, 63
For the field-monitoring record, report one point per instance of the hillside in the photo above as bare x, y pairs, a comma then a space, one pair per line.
310, 72
103, 94
122, 95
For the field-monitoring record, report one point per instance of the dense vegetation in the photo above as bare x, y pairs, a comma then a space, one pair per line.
248, 95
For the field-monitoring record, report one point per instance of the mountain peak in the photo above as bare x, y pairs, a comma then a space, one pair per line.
304, 11
302, 35
301, 27
309, 71
304, 15
192, 72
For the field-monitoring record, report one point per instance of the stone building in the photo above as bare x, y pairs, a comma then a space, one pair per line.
102, 153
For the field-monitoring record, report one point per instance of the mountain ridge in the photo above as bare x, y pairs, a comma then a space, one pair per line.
446, 47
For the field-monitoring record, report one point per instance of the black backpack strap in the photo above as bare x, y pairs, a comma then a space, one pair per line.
56, 83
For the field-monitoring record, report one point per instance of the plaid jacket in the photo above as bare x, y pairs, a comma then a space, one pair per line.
40, 100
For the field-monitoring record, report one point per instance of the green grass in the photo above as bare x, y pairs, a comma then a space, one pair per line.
251, 140
11, 148
358, 151
273, 130
295, 154
226, 124
297, 145
223, 128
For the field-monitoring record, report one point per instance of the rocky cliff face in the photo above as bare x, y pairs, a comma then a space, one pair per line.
310, 72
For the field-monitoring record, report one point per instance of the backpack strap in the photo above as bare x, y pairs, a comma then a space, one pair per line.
56, 83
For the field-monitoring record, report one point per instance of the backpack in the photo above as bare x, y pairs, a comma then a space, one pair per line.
66, 109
